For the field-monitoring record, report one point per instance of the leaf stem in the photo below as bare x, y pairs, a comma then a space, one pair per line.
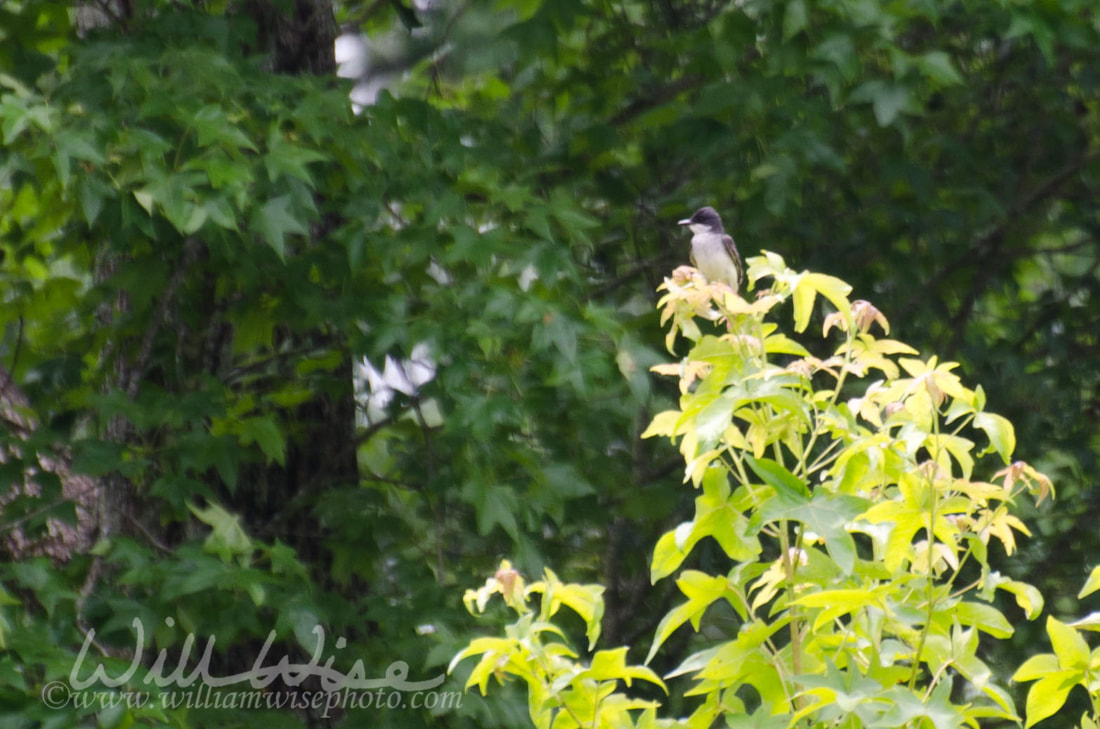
931, 599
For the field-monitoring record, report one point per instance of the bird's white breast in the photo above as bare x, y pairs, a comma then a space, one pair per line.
712, 259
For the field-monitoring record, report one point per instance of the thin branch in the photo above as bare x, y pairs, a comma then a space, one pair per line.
271, 359
1040, 321
366, 14
1067, 248
85, 590
1049, 186
32, 515
396, 215
1038, 194
148, 535
623, 279
659, 97
141, 364
88, 637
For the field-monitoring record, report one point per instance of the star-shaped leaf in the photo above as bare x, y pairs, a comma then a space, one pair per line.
274, 221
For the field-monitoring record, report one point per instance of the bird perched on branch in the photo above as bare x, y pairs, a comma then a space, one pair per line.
713, 252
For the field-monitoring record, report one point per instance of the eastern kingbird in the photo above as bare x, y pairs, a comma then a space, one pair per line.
712, 251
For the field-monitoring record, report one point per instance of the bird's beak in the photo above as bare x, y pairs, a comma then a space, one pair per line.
685, 221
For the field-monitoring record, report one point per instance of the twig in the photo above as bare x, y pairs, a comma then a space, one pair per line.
657, 98
397, 216
148, 535
366, 14
88, 638
1040, 192
86, 590
27, 517
190, 251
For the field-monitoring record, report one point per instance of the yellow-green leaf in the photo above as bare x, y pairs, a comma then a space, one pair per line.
986, 618
803, 306
1027, 597
1092, 584
664, 423
832, 288
611, 665
1046, 697
1089, 622
1036, 667
1069, 645
585, 600
667, 557
1001, 434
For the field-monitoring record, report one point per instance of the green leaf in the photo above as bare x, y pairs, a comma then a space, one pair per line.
228, 539
1046, 697
495, 505
585, 600
808, 286
826, 514
220, 211
664, 423
888, 100
274, 220
984, 617
559, 330
727, 526
114, 716
778, 477
1027, 597
831, 287
701, 591
803, 298
213, 126
187, 219
610, 665
835, 604
1068, 644
1092, 584
78, 146
264, 432
939, 67
91, 199
796, 17
284, 158
1028, 22
145, 199
713, 419
1089, 622
305, 621
782, 344
1002, 436
1036, 667
95, 457
572, 218
841, 52
717, 517
908, 706
667, 556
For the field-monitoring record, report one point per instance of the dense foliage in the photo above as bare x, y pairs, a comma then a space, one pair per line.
200, 242
856, 534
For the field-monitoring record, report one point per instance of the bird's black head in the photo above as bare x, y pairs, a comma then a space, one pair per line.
705, 217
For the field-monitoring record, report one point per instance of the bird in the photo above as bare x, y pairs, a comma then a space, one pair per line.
713, 252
